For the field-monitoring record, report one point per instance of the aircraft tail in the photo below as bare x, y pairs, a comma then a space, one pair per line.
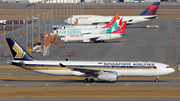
17, 52
111, 22
120, 21
152, 9
121, 29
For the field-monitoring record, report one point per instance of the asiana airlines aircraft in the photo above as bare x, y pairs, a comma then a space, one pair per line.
103, 70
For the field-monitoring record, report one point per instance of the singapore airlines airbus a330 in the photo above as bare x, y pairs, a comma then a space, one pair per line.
104, 70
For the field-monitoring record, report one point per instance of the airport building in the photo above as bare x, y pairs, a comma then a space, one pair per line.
142, 1
79, 1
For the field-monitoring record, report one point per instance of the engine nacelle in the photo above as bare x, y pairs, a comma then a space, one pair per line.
108, 77
86, 40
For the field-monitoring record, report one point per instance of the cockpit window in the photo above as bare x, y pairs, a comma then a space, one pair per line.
168, 67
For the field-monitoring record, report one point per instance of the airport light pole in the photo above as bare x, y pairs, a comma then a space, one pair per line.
49, 12
83, 9
56, 14
63, 12
26, 30
71, 12
18, 27
45, 25
38, 28
77, 7
51, 23
12, 30
60, 15
23, 26
67, 13
52, 19
32, 26
43, 18
44, 13
38, 24
4, 32
49, 18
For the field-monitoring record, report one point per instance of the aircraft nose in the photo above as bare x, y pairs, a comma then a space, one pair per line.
172, 70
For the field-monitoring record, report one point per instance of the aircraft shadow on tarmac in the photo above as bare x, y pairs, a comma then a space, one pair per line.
77, 81
137, 27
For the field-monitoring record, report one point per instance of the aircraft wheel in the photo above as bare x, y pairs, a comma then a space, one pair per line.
86, 80
156, 81
91, 80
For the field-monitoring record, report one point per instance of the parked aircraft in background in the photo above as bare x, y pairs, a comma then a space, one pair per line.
91, 26
3, 22
112, 26
104, 70
96, 37
148, 14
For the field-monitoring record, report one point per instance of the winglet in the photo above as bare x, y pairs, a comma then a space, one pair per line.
111, 22
121, 29
152, 9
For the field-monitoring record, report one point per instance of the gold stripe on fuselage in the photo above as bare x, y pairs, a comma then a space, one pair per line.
95, 68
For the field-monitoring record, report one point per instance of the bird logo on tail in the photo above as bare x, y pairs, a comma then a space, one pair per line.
18, 50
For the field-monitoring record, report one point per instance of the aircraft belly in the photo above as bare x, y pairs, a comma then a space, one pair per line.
55, 72
136, 72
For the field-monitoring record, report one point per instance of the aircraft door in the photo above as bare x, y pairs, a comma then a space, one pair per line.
89, 21
159, 67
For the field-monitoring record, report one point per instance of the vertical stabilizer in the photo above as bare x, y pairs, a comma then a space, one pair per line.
152, 9
111, 22
17, 52
121, 29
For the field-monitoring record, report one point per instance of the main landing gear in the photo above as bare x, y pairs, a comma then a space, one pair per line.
89, 80
157, 79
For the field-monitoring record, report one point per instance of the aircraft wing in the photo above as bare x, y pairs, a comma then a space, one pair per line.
94, 38
86, 33
86, 70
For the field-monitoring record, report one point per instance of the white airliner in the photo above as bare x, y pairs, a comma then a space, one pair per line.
148, 14
99, 26
96, 37
104, 70
89, 29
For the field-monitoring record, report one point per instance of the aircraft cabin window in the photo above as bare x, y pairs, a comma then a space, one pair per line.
168, 67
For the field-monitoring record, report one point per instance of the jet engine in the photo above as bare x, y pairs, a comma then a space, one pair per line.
108, 77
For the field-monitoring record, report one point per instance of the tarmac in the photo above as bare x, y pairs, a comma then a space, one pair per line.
139, 44
96, 83
90, 99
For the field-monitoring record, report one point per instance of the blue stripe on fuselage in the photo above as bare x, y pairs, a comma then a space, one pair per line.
84, 66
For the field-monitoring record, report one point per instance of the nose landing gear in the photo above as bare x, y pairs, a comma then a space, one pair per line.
157, 79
